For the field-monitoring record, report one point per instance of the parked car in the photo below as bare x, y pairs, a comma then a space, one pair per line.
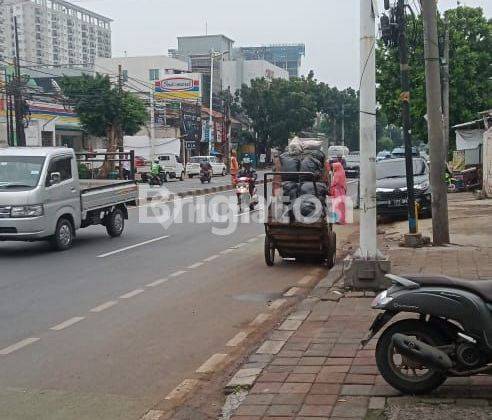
399, 152
383, 154
172, 167
193, 166
391, 187
352, 166
42, 198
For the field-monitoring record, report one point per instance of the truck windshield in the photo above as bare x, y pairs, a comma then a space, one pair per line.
395, 168
20, 171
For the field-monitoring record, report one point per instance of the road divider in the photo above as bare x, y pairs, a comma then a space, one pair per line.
212, 363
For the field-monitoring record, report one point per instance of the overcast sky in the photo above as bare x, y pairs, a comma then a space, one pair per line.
329, 28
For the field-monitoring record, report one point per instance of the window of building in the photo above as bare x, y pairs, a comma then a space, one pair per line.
154, 74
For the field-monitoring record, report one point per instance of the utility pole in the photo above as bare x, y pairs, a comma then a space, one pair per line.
405, 112
368, 234
18, 101
445, 89
210, 120
440, 222
7, 105
343, 124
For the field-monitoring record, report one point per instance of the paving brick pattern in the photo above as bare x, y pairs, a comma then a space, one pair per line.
321, 371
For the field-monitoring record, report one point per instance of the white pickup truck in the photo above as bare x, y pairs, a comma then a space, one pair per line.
42, 198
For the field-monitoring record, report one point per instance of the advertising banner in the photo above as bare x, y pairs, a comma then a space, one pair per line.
179, 87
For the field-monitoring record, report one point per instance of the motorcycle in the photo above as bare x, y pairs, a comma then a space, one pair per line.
154, 179
451, 337
205, 176
246, 196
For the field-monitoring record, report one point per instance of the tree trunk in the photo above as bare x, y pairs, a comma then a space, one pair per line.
108, 166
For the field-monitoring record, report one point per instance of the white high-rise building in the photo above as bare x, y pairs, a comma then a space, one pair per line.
53, 32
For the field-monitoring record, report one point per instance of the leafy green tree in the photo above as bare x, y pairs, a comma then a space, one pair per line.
385, 143
470, 70
103, 109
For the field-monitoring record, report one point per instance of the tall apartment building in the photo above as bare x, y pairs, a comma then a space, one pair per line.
53, 32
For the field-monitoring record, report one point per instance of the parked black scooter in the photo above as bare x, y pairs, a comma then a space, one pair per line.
452, 337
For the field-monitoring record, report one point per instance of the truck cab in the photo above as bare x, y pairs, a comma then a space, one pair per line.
171, 165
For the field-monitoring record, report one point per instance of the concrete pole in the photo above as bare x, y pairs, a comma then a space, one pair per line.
445, 91
440, 222
211, 121
152, 124
368, 233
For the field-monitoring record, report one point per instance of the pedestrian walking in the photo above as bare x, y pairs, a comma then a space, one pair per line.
338, 192
234, 167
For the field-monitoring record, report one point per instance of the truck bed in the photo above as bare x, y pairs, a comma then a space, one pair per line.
96, 194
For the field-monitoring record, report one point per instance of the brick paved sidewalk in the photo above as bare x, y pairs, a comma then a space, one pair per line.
312, 367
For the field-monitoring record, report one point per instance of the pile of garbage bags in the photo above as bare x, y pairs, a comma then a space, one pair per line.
304, 156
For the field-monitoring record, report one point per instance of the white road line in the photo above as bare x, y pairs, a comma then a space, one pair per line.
132, 294
104, 306
196, 265
211, 364
177, 274
157, 282
17, 346
252, 240
108, 254
239, 246
67, 323
237, 339
211, 258
226, 251
182, 389
152, 415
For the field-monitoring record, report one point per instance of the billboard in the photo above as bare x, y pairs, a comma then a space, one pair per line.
179, 87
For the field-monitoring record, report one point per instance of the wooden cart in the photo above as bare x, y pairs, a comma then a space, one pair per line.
314, 241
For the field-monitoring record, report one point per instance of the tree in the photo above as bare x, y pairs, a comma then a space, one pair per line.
470, 70
105, 110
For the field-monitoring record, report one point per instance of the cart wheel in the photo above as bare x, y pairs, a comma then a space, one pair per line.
269, 251
331, 252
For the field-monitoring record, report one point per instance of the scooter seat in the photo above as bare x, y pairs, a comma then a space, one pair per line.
483, 288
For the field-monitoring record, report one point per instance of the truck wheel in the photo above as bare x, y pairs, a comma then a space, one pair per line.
224, 172
269, 251
115, 223
182, 176
190, 176
64, 234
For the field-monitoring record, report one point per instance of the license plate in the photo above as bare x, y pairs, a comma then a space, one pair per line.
398, 202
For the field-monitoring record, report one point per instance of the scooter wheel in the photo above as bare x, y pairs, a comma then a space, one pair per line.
401, 372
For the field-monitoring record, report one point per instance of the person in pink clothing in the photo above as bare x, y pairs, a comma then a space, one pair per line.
338, 191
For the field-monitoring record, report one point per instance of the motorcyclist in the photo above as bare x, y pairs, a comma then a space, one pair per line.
206, 167
247, 171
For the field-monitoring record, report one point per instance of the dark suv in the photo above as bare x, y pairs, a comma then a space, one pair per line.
391, 187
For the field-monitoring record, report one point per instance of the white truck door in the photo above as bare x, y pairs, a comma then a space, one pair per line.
62, 197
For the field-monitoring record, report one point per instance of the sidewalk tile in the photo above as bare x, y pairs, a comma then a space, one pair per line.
325, 389
364, 370
360, 379
246, 418
270, 347
294, 388
364, 361
283, 410
312, 361
321, 399
357, 390
338, 361
286, 361
251, 410
377, 403
301, 377
266, 388
281, 335
290, 325
291, 353
316, 410
288, 399
259, 399
334, 369
306, 369
331, 378
279, 369
273, 377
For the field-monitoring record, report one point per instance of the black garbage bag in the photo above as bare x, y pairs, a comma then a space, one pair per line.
311, 163
290, 190
317, 154
309, 207
290, 163
308, 188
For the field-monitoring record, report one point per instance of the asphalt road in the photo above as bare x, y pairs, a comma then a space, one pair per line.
109, 328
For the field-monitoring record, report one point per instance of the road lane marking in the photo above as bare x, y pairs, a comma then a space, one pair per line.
152, 415
104, 306
211, 258
196, 265
252, 240
177, 274
239, 245
67, 323
182, 389
237, 339
18, 346
131, 294
227, 251
108, 254
157, 282
277, 304
211, 364
305, 280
